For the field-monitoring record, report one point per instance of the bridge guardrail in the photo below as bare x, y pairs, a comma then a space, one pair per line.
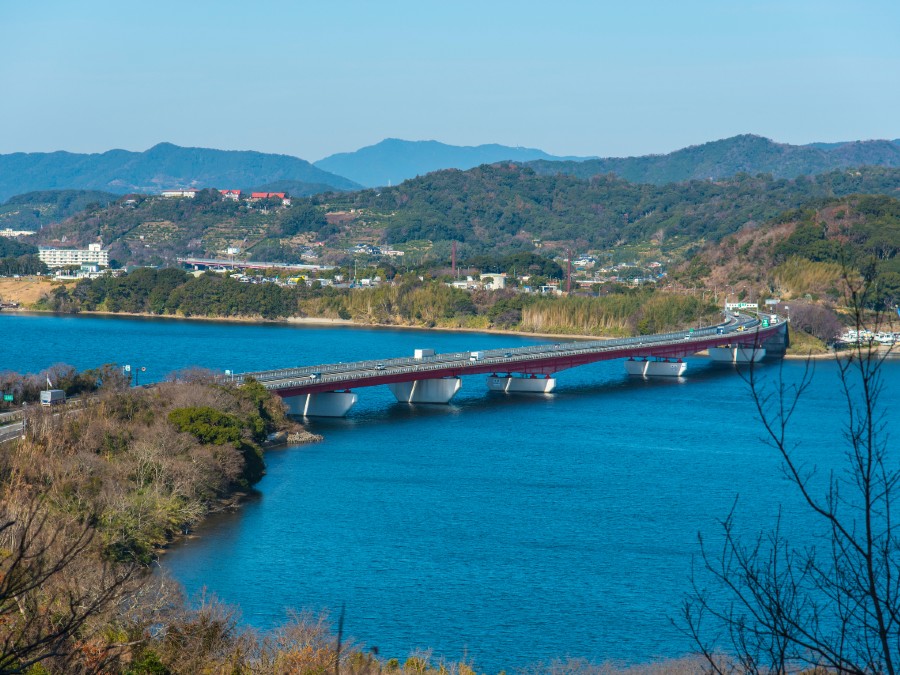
360, 370
442, 360
450, 357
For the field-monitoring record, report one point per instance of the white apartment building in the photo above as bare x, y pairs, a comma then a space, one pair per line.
63, 257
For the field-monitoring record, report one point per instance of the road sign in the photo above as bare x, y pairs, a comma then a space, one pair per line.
8, 397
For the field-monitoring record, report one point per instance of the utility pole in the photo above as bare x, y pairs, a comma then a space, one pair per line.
453, 259
568, 271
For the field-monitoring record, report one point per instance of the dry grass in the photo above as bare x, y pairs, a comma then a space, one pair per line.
797, 277
26, 291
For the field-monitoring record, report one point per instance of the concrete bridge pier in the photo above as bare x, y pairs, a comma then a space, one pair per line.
426, 391
521, 384
325, 404
777, 345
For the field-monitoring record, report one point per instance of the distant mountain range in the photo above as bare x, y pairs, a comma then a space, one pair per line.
728, 157
393, 160
162, 166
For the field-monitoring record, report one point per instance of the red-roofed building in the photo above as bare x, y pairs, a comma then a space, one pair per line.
256, 196
233, 195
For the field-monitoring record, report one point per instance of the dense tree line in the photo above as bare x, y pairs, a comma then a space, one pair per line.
175, 292
13, 248
17, 257
408, 301
22, 265
517, 264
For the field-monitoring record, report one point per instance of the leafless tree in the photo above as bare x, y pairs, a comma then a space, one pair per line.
778, 606
47, 597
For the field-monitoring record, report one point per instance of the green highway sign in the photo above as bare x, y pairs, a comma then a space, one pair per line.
7, 397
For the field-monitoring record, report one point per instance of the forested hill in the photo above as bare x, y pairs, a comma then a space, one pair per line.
490, 209
393, 160
33, 210
730, 156
162, 166
509, 205
808, 252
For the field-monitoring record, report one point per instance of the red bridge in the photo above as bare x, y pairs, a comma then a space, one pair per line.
325, 390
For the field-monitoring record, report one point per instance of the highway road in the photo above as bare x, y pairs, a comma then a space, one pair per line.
10, 431
536, 359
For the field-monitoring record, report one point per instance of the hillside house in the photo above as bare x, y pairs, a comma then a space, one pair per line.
256, 196
493, 282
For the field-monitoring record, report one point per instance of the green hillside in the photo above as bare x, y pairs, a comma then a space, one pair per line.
489, 209
725, 158
510, 206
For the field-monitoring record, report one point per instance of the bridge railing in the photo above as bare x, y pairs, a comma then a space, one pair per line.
358, 370
343, 374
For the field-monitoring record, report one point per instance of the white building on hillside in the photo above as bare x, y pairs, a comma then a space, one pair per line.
63, 257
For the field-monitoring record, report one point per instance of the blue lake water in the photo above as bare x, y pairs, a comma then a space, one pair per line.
510, 529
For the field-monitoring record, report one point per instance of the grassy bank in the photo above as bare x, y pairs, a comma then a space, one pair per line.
804, 344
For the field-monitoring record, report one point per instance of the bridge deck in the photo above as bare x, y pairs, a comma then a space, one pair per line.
536, 359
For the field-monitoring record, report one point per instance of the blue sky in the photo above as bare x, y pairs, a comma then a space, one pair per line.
568, 76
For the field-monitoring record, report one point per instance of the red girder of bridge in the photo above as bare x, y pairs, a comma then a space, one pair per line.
542, 366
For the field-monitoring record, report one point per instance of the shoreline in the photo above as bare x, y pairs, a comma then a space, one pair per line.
297, 437
349, 323
309, 321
